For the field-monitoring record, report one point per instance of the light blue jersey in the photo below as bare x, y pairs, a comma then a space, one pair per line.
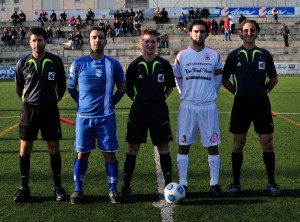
91, 84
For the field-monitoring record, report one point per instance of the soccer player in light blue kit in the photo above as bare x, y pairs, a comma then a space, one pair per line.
91, 84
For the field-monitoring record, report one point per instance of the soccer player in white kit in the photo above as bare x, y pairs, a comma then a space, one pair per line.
198, 73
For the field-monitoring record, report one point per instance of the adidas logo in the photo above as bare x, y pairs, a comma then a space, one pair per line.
140, 76
239, 64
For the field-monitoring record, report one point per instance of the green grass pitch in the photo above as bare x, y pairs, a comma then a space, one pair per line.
254, 203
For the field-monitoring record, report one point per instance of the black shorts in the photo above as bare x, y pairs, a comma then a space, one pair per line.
35, 118
247, 110
152, 117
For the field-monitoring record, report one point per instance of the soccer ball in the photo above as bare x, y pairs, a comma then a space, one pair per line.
174, 193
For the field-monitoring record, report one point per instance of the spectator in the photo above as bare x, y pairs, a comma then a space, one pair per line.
78, 23
204, 13
63, 17
275, 14
121, 16
138, 18
137, 28
43, 17
182, 21
208, 23
285, 32
124, 28
72, 21
140, 15
78, 40
242, 18
49, 35
53, 17
70, 43
101, 24
227, 35
126, 15
107, 26
191, 14
117, 27
157, 15
198, 14
232, 23
214, 26
165, 40
130, 27
14, 35
164, 16
58, 33
6, 37
131, 14
15, 18
90, 15
111, 33
22, 34
117, 15
159, 39
221, 26
22, 18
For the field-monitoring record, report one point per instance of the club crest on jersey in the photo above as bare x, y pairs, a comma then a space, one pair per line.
51, 75
98, 72
261, 65
206, 56
161, 78
214, 138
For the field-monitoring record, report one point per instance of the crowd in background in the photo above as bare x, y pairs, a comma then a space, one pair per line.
124, 23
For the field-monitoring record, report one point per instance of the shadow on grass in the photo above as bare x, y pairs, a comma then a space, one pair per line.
244, 197
66, 150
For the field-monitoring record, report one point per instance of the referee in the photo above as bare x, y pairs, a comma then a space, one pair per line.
40, 84
254, 76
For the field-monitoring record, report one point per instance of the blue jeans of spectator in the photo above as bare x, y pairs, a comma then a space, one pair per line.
227, 35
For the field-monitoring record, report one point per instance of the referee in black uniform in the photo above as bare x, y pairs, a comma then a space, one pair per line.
149, 80
40, 84
254, 76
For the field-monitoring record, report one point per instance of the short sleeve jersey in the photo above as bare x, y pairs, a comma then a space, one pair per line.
251, 70
197, 70
147, 82
95, 81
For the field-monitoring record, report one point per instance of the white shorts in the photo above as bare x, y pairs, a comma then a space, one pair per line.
193, 118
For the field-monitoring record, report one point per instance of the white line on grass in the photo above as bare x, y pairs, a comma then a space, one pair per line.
166, 210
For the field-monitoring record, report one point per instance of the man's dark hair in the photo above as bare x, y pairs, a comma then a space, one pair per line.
250, 21
149, 32
198, 22
38, 31
98, 29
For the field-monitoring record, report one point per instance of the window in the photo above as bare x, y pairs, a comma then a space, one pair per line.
3, 1
16, 1
76, 0
16, 8
2, 9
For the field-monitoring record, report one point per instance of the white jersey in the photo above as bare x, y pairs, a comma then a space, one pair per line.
197, 72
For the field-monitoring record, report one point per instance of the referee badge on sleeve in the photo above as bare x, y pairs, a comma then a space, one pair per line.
51, 75
161, 78
261, 65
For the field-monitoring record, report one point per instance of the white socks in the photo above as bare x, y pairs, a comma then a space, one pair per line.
214, 166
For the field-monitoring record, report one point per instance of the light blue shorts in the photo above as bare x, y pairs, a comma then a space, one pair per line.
103, 129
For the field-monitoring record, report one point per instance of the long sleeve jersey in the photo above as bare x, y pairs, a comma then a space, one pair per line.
40, 82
